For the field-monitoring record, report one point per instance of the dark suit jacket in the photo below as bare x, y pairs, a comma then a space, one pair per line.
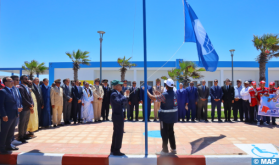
192, 94
107, 93
150, 89
27, 100
228, 94
203, 94
134, 96
117, 101
38, 94
216, 93
8, 105
77, 94
67, 93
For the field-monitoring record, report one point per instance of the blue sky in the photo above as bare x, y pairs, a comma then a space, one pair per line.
45, 29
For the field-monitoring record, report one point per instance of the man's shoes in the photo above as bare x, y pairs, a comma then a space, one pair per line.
226, 120
220, 121
265, 123
155, 119
241, 120
143, 120
234, 120
212, 120
183, 120
273, 123
258, 123
27, 137
206, 121
187, 120
2, 152
11, 148
54, 125
75, 123
193, 120
118, 154
162, 153
23, 141
16, 142
107, 119
173, 151
148, 120
229, 121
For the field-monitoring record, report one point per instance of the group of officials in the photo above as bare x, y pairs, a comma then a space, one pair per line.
31, 105
243, 99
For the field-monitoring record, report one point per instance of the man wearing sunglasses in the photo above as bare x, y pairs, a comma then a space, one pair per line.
216, 94
134, 101
56, 97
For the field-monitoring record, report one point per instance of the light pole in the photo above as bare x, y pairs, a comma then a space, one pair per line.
101, 40
232, 53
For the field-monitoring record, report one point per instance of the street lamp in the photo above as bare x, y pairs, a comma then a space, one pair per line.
232, 53
101, 40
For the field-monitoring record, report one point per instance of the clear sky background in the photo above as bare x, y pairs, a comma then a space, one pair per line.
45, 29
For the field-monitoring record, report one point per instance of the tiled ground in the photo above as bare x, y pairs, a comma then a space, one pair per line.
191, 138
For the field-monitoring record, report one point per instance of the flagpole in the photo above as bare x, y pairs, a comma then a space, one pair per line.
145, 77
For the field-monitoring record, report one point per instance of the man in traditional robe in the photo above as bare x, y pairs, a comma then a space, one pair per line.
38, 93
56, 96
45, 118
182, 101
87, 106
98, 93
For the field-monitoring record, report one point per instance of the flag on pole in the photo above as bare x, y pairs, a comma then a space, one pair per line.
194, 32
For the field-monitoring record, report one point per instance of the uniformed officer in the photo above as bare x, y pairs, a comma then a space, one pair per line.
117, 100
157, 90
98, 93
168, 115
106, 100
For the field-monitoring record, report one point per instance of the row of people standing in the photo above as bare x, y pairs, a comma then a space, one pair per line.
244, 101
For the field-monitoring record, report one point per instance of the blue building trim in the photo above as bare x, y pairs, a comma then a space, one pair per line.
51, 72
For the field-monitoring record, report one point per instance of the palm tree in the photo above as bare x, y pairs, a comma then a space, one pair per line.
78, 58
34, 67
268, 45
187, 70
124, 63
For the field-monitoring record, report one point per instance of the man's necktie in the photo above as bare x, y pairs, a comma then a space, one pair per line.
13, 93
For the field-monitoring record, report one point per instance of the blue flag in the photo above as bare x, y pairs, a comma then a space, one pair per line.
194, 32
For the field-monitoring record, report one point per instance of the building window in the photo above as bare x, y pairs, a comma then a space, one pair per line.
150, 83
276, 83
210, 84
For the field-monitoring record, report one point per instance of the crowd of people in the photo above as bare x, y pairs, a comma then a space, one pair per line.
34, 105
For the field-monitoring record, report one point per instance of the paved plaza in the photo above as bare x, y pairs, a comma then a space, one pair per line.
191, 138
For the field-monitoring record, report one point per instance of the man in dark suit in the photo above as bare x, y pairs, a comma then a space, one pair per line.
106, 100
126, 106
38, 93
67, 101
77, 93
192, 98
28, 105
228, 99
134, 101
203, 92
216, 96
117, 100
150, 89
9, 108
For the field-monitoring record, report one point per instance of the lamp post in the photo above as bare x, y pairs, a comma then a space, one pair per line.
101, 40
232, 53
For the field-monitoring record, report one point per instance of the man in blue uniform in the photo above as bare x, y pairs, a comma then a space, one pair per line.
117, 100
216, 96
149, 88
192, 98
168, 115
182, 101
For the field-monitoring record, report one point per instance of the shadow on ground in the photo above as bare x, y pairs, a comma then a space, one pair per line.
201, 143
